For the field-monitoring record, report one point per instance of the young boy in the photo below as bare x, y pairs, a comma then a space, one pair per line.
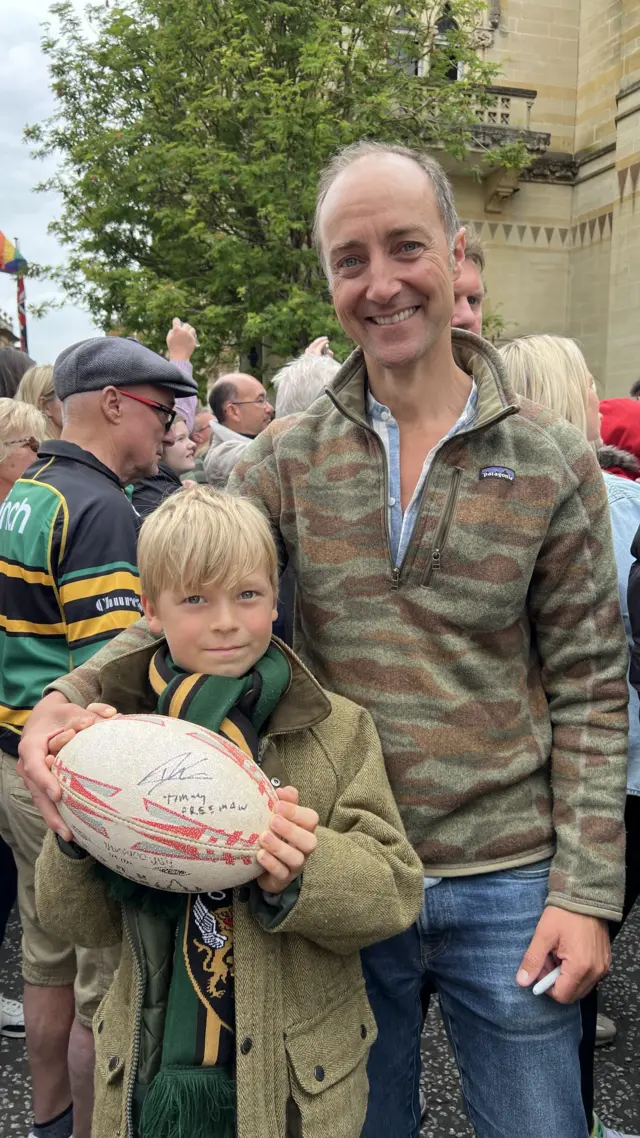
243, 1012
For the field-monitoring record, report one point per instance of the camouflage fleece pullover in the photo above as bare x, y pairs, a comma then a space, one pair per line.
493, 660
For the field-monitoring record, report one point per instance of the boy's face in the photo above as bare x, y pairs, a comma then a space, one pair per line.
220, 632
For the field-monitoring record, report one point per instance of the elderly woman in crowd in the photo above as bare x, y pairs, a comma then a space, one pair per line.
299, 383
552, 371
22, 429
36, 387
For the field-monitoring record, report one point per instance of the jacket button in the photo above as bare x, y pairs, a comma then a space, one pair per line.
318, 1073
363, 1031
101, 1027
246, 1045
113, 1062
244, 893
275, 782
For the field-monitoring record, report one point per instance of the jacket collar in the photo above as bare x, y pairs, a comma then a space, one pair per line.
124, 682
496, 397
60, 449
225, 434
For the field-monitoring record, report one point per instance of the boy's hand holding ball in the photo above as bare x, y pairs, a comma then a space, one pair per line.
287, 843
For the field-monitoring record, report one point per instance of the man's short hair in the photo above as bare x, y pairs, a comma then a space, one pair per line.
473, 250
635, 390
349, 154
223, 391
201, 536
300, 382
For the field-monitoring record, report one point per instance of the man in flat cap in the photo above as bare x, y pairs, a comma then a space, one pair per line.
68, 583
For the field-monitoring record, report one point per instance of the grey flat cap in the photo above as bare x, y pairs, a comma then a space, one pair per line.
110, 361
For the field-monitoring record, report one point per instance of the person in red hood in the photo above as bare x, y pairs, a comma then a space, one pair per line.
620, 433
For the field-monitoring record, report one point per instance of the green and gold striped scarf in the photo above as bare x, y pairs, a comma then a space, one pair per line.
193, 1094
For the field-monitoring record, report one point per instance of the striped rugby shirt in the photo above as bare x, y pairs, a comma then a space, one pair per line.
68, 575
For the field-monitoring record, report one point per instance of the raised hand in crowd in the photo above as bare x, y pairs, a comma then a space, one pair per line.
319, 347
182, 340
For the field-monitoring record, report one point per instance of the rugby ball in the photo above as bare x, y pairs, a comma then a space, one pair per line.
164, 802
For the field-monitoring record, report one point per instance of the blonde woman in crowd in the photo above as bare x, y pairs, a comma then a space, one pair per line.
36, 387
22, 429
552, 371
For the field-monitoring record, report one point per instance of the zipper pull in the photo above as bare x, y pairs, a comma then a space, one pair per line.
395, 578
435, 559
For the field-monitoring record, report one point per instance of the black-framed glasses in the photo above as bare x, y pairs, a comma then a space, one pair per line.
262, 399
162, 408
31, 442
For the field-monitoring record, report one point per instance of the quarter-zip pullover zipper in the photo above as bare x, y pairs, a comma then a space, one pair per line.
396, 570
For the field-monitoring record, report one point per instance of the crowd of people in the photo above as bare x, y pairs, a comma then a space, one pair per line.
412, 584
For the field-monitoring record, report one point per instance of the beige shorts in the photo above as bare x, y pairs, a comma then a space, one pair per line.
47, 962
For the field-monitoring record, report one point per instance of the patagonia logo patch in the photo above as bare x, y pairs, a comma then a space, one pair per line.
502, 472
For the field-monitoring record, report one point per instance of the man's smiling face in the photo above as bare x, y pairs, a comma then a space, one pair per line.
389, 261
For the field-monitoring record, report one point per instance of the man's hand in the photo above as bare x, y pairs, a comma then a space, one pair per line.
52, 723
319, 347
182, 340
287, 843
579, 944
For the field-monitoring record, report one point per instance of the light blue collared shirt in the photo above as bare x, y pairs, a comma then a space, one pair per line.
383, 423
624, 504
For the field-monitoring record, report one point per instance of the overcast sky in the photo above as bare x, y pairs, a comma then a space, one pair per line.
25, 98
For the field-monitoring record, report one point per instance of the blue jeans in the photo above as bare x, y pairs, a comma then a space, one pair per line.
517, 1053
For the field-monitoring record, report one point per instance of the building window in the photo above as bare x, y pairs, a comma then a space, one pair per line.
448, 23
407, 49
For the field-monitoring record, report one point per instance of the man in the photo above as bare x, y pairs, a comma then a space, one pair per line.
68, 583
201, 433
485, 705
201, 436
468, 288
455, 576
242, 410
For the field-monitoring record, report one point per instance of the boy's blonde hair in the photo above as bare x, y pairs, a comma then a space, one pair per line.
20, 420
201, 536
551, 371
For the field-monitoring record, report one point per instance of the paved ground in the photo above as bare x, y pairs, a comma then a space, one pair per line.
618, 1066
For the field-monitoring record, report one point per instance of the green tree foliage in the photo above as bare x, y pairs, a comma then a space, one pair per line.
191, 134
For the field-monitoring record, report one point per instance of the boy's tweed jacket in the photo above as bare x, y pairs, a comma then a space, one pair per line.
303, 1022
493, 660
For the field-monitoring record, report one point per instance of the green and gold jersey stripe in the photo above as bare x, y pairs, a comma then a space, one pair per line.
27, 628
94, 570
121, 582
105, 625
31, 576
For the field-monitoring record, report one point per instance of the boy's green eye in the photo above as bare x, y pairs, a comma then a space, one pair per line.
194, 600
248, 594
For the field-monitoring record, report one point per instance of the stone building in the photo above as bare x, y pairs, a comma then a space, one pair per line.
563, 239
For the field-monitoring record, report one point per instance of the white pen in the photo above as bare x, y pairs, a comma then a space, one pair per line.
547, 982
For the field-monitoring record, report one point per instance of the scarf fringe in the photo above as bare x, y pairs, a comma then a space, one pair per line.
190, 1102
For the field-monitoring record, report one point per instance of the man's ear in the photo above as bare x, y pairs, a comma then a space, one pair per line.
458, 252
111, 404
230, 413
151, 613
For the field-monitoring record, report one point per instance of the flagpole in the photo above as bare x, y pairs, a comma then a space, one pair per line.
22, 312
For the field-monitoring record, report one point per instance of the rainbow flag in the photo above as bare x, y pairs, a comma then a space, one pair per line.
11, 259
